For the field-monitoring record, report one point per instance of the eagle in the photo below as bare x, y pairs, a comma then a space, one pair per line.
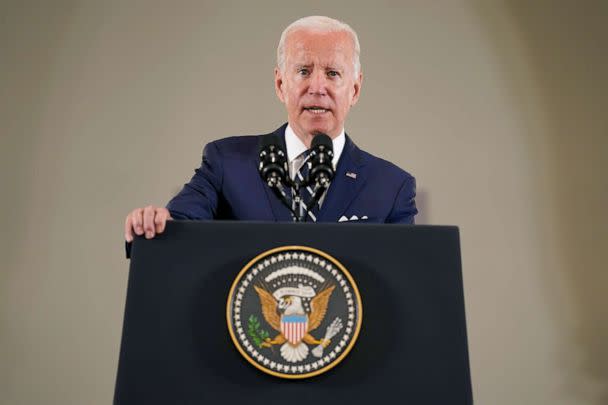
275, 311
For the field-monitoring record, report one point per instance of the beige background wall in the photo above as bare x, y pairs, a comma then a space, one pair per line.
497, 107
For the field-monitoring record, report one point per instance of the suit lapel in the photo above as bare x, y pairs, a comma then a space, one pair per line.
280, 212
347, 183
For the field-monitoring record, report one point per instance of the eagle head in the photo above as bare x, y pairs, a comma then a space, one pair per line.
291, 305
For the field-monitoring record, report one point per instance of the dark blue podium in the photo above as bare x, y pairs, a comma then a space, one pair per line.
412, 347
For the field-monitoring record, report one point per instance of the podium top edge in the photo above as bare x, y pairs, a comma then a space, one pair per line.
197, 223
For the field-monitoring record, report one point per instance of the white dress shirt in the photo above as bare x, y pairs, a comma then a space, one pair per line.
295, 147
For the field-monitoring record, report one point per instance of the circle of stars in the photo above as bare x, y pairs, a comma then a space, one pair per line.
313, 263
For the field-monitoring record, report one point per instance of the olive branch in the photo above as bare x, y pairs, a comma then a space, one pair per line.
255, 333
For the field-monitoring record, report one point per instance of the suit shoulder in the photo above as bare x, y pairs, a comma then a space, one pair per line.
235, 146
236, 142
385, 167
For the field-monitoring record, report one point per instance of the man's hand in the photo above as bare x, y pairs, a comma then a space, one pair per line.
149, 220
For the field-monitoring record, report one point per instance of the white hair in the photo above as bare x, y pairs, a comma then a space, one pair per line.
321, 24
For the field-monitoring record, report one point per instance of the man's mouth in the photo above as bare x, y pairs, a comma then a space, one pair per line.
316, 110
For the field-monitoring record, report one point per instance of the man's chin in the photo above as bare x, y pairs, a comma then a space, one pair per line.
319, 129
315, 127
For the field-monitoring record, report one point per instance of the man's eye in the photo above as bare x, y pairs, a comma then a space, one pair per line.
303, 71
333, 73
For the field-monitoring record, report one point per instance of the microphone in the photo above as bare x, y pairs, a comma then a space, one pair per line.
321, 156
273, 162
273, 168
321, 167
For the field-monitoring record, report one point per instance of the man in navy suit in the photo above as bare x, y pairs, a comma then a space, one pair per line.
318, 78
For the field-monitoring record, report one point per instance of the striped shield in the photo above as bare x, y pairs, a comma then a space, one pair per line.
294, 327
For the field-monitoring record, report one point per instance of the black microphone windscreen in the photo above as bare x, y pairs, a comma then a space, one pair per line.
322, 140
269, 140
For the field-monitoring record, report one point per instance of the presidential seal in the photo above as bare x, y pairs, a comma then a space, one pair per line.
294, 312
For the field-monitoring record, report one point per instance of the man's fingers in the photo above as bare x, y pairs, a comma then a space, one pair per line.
149, 227
160, 220
128, 228
137, 221
133, 224
149, 221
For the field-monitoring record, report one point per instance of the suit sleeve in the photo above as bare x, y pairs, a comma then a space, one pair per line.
199, 198
404, 208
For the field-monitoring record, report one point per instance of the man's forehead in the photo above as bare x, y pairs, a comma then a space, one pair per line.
306, 44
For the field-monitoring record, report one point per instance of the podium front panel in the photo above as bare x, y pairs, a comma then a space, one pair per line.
412, 347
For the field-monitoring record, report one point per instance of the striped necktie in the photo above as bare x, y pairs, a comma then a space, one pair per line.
306, 193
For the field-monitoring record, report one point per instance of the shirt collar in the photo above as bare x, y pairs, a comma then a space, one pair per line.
295, 146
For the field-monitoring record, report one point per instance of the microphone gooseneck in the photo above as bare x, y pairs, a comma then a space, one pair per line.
273, 167
321, 169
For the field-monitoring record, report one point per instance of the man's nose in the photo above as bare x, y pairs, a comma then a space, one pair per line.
318, 83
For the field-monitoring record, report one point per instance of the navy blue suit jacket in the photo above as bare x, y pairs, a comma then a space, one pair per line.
228, 186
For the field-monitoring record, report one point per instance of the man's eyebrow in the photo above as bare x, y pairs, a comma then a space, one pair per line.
325, 68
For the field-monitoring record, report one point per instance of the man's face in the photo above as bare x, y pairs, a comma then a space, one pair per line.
317, 85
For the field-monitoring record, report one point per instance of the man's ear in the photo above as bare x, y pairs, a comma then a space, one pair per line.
357, 89
278, 84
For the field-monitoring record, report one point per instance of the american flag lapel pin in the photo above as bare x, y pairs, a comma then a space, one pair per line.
351, 175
